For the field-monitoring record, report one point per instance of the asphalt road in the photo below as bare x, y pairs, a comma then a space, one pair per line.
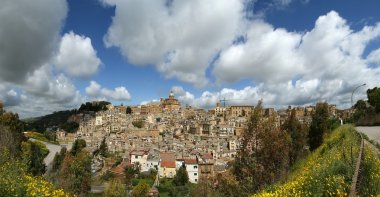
53, 149
373, 133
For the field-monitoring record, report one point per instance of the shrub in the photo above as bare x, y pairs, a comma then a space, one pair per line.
371, 173
15, 181
326, 172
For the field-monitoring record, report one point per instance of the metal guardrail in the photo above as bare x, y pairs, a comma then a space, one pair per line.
355, 185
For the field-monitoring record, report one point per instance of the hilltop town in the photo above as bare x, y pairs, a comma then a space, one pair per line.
163, 135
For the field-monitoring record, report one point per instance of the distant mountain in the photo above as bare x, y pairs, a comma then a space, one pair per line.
67, 120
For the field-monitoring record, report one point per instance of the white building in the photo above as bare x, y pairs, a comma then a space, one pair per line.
179, 163
151, 163
192, 170
139, 156
98, 120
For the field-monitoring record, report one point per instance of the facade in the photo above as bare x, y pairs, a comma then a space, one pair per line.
170, 103
240, 111
139, 156
192, 170
219, 111
98, 120
167, 169
206, 166
151, 163
151, 108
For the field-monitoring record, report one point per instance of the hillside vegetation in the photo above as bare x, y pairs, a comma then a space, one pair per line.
367, 113
63, 119
327, 171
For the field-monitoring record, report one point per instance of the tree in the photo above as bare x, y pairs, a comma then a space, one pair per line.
263, 156
319, 125
94, 106
1, 108
227, 185
58, 159
181, 177
131, 172
11, 132
374, 98
103, 150
298, 137
33, 154
75, 173
129, 110
138, 124
78, 145
115, 188
205, 188
141, 190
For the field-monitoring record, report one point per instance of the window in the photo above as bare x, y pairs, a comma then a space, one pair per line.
195, 167
136, 157
196, 180
195, 174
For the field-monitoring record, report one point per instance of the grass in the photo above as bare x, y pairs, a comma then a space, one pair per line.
165, 187
370, 185
325, 172
39, 136
373, 142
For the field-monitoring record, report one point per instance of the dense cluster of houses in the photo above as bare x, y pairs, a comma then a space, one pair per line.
163, 135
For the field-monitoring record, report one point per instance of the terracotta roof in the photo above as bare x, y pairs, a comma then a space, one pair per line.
168, 164
190, 161
119, 169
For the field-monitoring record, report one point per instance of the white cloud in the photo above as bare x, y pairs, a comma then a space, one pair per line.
44, 92
29, 31
374, 58
54, 88
181, 39
76, 56
247, 96
8, 96
325, 63
34, 106
29, 40
268, 55
11, 98
96, 91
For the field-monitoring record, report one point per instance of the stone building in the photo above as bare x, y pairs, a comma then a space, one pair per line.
219, 110
170, 103
240, 111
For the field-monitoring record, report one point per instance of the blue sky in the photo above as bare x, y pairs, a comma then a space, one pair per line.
286, 52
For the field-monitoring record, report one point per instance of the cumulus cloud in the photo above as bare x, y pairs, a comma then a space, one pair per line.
246, 96
43, 92
29, 31
76, 56
325, 63
374, 58
54, 88
34, 106
96, 91
29, 41
11, 98
180, 37
268, 55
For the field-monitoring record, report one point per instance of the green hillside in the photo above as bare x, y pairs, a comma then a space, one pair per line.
327, 171
61, 119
